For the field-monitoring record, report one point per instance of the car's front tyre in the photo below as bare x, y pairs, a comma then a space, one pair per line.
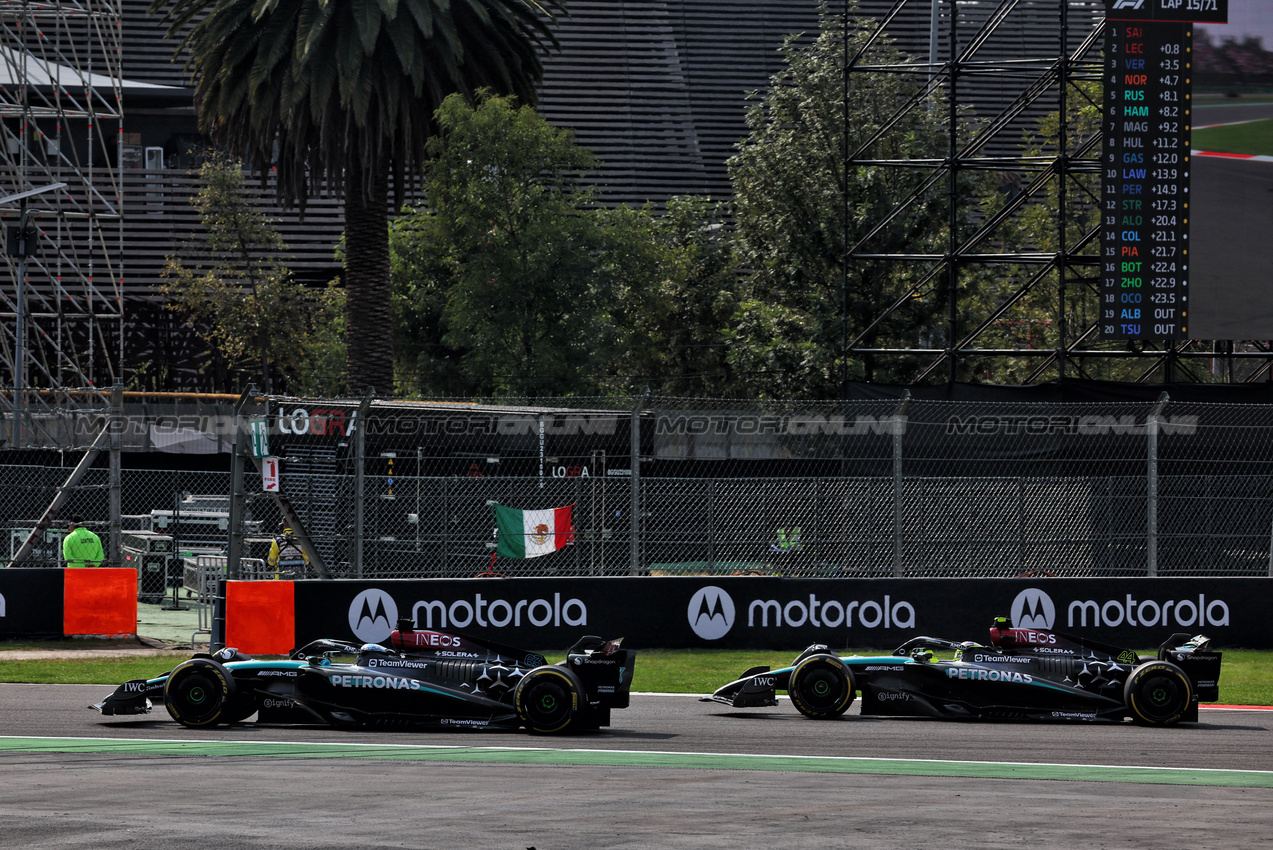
821, 687
1158, 693
199, 693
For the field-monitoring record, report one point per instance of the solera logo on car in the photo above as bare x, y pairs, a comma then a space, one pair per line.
372, 615
711, 612
1033, 609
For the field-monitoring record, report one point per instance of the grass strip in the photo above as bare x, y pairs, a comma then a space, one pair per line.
1251, 137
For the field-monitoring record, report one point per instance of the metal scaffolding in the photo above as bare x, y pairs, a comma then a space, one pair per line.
1020, 83
61, 301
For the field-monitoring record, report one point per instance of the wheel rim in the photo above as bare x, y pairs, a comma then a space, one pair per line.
196, 698
1163, 697
822, 689
548, 705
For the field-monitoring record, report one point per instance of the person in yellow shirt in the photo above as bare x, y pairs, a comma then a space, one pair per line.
286, 557
81, 547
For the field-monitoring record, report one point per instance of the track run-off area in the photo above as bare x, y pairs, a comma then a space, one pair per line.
671, 772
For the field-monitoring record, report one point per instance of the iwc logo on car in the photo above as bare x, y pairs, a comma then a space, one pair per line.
1033, 609
372, 615
711, 612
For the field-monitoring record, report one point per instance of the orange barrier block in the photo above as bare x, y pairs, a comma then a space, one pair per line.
260, 616
99, 601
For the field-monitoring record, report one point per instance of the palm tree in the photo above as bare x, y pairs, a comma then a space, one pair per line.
343, 92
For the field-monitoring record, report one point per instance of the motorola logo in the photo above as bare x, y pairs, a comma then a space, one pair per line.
372, 615
711, 613
1033, 609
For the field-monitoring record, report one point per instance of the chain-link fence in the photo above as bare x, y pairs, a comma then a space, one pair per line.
895, 487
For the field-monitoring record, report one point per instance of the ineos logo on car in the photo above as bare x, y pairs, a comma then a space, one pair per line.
1033, 609
711, 612
372, 615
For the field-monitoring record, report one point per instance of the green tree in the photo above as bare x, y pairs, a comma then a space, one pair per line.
343, 93
799, 207
672, 321
514, 282
511, 267
243, 301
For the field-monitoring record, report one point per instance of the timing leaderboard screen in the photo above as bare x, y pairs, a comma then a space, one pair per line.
1145, 166
1145, 191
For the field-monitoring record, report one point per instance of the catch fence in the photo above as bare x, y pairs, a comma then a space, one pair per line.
662, 486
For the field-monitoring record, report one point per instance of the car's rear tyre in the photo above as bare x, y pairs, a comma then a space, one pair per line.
199, 693
821, 687
549, 700
1158, 693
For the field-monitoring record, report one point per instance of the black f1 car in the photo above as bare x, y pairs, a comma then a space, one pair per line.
1023, 674
422, 679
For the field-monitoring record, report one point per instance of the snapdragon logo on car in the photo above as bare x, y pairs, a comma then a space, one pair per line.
481, 611
1034, 609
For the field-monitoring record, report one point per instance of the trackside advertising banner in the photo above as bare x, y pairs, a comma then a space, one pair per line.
780, 613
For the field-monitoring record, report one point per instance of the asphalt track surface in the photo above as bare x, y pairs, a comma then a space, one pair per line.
1211, 111
671, 772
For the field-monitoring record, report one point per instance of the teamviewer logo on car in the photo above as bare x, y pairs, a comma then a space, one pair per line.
1033, 609
711, 612
372, 615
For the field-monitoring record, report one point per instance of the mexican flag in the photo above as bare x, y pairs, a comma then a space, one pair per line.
529, 534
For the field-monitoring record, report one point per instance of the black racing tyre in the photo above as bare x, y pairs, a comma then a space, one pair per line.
821, 687
199, 693
1157, 693
549, 700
